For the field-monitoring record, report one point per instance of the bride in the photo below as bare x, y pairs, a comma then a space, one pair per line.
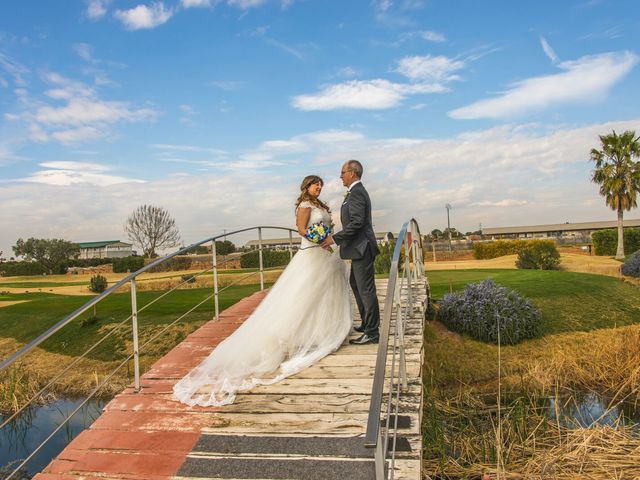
305, 316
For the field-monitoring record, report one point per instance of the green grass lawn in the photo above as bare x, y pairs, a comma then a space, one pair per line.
568, 301
25, 321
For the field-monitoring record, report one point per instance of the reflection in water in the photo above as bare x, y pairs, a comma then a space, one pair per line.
586, 410
25, 433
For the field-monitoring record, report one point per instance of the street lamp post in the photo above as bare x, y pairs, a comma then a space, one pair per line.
448, 207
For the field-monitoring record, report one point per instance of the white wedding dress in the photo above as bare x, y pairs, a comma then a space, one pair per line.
305, 316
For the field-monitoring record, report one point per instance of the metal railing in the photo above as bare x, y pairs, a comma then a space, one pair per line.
399, 304
132, 280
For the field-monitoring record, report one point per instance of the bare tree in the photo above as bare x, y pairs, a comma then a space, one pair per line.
152, 228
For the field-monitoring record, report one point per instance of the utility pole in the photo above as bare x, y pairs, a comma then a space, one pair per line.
448, 207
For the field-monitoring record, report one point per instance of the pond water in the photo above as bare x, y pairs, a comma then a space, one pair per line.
23, 435
588, 409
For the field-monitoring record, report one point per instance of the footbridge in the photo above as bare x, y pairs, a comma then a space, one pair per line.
356, 414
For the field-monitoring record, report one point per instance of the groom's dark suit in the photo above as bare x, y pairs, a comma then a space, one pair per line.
358, 243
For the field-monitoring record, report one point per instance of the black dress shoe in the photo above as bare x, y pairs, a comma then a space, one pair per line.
364, 340
359, 328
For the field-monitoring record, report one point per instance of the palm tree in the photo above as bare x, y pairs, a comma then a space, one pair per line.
618, 175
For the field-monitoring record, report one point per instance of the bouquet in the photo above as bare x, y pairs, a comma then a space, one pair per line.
317, 232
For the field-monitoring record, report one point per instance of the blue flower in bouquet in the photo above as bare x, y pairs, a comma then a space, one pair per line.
318, 232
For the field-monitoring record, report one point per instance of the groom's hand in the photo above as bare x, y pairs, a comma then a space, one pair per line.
327, 242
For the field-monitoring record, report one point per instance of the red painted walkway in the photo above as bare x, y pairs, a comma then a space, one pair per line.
147, 435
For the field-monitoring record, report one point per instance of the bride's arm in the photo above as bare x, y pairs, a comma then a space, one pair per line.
302, 220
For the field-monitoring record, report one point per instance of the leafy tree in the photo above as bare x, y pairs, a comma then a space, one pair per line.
50, 253
436, 234
618, 175
454, 233
542, 255
225, 247
152, 228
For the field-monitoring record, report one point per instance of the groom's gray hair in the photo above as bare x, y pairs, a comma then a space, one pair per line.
356, 167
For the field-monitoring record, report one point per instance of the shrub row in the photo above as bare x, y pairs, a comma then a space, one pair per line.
127, 264
88, 262
605, 242
21, 269
500, 248
485, 310
270, 258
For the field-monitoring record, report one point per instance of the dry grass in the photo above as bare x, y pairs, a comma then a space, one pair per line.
8, 303
20, 383
571, 262
607, 361
147, 281
207, 281
461, 437
531, 446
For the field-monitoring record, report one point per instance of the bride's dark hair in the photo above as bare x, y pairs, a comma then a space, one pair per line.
306, 197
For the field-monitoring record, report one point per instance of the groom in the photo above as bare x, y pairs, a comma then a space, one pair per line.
358, 243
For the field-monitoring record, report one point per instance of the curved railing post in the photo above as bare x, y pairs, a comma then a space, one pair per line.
215, 280
129, 280
260, 258
134, 321
290, 246
399, 300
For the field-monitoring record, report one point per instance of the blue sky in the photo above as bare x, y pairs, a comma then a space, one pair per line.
216, 109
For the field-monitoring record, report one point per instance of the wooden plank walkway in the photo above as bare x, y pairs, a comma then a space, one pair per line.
310, 425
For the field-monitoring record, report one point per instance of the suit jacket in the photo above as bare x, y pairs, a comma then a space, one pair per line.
356, 236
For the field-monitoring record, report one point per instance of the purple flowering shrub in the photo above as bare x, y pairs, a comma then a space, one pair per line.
485, 308
631, 267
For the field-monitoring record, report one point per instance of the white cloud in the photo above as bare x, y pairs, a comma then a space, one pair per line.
428, 35
347, 72
362, 94
195, 3
383, 5
186, 148
285, 48
84, 51
144, 17
508, 175
66, 173
548, 51
72, 165
97, 9
81, 117
14, 69
507, 202
432, 36
245, 4
77, 135
430, 68
80, 111
587, 79
227, 84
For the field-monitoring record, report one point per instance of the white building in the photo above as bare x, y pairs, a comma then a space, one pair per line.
105, 249
559, 230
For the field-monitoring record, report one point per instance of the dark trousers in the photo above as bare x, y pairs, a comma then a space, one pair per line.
363, 284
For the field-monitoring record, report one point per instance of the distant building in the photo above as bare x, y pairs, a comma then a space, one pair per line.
559, 230
105, 249
283, 243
